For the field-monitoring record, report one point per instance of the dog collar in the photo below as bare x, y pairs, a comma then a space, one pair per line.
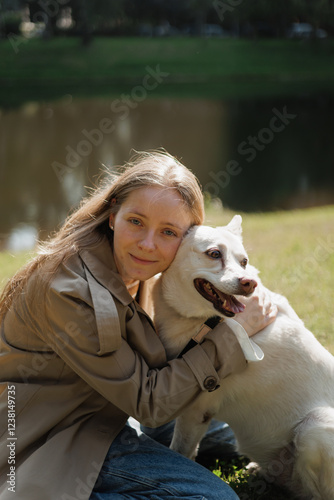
197, 339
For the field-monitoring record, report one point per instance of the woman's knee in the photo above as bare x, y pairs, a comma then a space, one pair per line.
218, 490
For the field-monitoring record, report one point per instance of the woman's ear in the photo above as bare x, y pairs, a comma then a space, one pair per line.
112, 216
111, 221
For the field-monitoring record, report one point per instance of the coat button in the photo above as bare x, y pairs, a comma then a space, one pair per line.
210, 383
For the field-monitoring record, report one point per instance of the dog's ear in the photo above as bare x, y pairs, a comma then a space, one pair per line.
235, 226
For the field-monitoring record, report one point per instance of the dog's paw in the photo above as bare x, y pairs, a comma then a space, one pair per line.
253, 468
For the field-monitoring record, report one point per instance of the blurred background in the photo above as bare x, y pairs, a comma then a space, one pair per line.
240, 91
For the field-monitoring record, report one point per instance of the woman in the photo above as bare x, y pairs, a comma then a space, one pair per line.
79, 354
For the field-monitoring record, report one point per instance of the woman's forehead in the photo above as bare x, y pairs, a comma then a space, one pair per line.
158, 201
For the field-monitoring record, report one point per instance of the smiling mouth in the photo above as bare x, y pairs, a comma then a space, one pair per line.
224, 303
143, 261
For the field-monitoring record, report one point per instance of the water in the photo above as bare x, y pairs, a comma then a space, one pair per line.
255, 155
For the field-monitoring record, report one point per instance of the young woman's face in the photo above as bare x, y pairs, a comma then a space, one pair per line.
148, 229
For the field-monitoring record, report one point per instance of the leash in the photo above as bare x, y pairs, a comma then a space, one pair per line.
205, 328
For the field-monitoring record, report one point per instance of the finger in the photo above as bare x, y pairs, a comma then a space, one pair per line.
262, 296
272, 313
268, 307
265, 301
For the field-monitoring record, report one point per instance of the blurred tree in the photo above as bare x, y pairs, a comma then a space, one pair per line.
82, 11
319, 13
97, 16
200, 10
157, 11
251, 17
47, 12
10, 17
273, 18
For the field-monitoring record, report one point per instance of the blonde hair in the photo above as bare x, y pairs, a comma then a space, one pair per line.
88, 224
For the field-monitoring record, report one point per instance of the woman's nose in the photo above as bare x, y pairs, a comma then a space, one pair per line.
148, 241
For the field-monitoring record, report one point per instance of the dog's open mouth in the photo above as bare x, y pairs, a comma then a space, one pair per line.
226, 304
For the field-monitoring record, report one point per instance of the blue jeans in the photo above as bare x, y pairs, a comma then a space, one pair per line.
136, 467
218, 442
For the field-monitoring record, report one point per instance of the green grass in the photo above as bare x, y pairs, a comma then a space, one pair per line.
247, 487
10, 263
42, 69
295, 252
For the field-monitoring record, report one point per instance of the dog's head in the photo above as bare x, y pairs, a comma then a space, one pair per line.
210, 268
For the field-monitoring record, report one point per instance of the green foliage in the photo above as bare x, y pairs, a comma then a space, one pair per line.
10, 23
246, 485
196, 67
95, 15
234, 473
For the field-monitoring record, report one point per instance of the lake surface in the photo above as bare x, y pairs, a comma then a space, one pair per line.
255, 155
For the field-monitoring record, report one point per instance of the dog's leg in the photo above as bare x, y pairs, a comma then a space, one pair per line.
188, 433
314, 441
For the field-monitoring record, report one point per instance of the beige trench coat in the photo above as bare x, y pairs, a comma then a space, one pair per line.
74, 364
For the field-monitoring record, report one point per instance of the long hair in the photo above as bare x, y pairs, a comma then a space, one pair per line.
88, 224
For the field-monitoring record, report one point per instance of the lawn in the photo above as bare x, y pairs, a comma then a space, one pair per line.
194, 67
10, 262
295, 252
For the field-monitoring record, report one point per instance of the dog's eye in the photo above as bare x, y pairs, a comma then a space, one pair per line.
244, 262
214, 253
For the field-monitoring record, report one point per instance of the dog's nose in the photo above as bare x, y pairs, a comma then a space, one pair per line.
248, 285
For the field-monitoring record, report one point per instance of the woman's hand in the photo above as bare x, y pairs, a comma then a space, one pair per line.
259, 312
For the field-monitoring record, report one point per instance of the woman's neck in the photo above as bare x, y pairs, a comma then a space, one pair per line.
132, 287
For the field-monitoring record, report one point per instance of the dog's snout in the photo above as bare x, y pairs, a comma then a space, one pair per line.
248, 285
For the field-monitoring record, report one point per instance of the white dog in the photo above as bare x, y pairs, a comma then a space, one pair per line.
280, 408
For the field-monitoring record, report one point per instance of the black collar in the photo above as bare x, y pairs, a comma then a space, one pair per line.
205, 328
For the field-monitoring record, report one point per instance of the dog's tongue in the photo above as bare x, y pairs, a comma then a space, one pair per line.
230, 303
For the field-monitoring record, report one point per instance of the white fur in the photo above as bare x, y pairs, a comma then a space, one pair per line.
281, 409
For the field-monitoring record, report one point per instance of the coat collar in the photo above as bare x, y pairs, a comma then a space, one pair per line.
100, 261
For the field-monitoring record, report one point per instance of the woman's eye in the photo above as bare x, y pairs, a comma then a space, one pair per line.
135, 222
169, 232
244, 262
214, 253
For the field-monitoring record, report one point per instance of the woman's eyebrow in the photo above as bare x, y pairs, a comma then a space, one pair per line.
134, 211
172, 224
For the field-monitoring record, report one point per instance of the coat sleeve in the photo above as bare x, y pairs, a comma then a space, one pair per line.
153, 396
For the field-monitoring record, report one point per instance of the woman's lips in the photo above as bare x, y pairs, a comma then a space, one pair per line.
142, 261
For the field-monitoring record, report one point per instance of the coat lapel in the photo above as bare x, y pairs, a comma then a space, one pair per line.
106, 284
